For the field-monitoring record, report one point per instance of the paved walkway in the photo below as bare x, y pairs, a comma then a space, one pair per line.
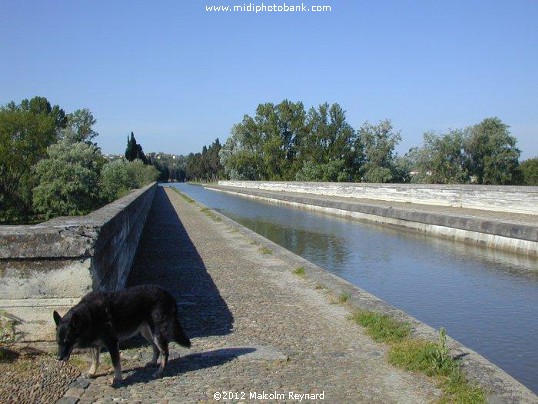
256, 328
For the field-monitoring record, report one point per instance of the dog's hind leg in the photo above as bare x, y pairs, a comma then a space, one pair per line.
145, 330
162, 344
94, 355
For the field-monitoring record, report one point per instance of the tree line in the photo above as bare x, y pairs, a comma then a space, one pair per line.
285, 142
50, 165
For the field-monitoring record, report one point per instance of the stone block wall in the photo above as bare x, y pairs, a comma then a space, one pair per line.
516, 199
50, 266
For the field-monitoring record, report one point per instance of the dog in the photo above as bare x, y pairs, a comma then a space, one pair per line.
103, 319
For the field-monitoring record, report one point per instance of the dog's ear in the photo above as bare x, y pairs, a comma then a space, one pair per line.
57, 317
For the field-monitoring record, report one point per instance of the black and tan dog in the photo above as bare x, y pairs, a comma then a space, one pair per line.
103, 319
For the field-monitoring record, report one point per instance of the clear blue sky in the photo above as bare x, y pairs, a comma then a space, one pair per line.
179, 76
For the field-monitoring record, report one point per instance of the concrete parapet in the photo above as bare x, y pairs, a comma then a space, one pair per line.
50, 266
514, 232
514, 199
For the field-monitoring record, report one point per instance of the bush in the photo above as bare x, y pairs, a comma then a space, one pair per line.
68, 180
120, 176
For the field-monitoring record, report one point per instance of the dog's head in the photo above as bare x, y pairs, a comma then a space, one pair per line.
67, 334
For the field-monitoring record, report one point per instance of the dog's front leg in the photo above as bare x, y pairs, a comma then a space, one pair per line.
112, 344
94, 354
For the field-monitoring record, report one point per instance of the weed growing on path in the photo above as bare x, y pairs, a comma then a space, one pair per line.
417, 355
300, 272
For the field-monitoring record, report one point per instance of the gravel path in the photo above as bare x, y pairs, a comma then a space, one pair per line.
34, 377
259, 332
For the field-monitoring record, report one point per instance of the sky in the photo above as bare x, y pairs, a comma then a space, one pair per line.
180, 76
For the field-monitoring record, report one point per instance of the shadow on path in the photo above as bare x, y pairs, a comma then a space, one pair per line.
187, 363
167, 257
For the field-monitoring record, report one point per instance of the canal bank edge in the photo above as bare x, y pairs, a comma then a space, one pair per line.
499, 385
516, 233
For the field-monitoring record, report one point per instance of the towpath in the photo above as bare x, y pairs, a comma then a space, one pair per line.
258, 331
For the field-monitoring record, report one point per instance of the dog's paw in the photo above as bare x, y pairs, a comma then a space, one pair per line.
115, 382
151, 363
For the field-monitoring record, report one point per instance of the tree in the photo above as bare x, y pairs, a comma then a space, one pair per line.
26, 130
492, 156
529, 171
328, 151
441, 159
79, 127
68, 179
378, 143
241, 156
134, 150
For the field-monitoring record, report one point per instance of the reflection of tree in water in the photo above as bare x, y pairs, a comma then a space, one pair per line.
324, 249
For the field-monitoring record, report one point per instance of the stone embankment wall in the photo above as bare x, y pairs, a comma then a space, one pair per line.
492, 216
512, 199
50, 266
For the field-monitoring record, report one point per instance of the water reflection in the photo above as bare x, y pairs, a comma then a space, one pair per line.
486, 299
328, 249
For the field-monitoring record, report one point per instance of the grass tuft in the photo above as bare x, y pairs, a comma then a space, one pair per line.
209, 213
344, 297
418, 355
266, 251
300, 271
381, 327
177, 191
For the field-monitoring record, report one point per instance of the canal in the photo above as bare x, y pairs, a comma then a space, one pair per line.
487, 300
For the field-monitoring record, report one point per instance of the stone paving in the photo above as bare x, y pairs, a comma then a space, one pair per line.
259, 333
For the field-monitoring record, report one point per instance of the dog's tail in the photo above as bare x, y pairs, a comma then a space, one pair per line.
179, 335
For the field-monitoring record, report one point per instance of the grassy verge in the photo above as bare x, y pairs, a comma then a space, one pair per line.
417, 355
209, 213
188, 199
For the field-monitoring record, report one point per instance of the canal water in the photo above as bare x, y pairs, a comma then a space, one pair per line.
487, 300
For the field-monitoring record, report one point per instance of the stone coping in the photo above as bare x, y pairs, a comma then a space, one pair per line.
66, 236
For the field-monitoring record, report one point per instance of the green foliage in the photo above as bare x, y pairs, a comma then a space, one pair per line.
330, 172
434, 360
441, 160
343, 297
205, 166
134, 150
484, 153
68, 180
120, 176
186, 197
283, 142
300, 271
172, 168
492, 156
529, 171
378, 142
417, 355
79, 127
382, 328
26, 130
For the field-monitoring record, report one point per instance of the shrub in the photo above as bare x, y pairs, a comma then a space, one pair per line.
68, 180
120, 176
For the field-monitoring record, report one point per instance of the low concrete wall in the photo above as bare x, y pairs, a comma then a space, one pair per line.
485, 197
50, 266
492, 229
